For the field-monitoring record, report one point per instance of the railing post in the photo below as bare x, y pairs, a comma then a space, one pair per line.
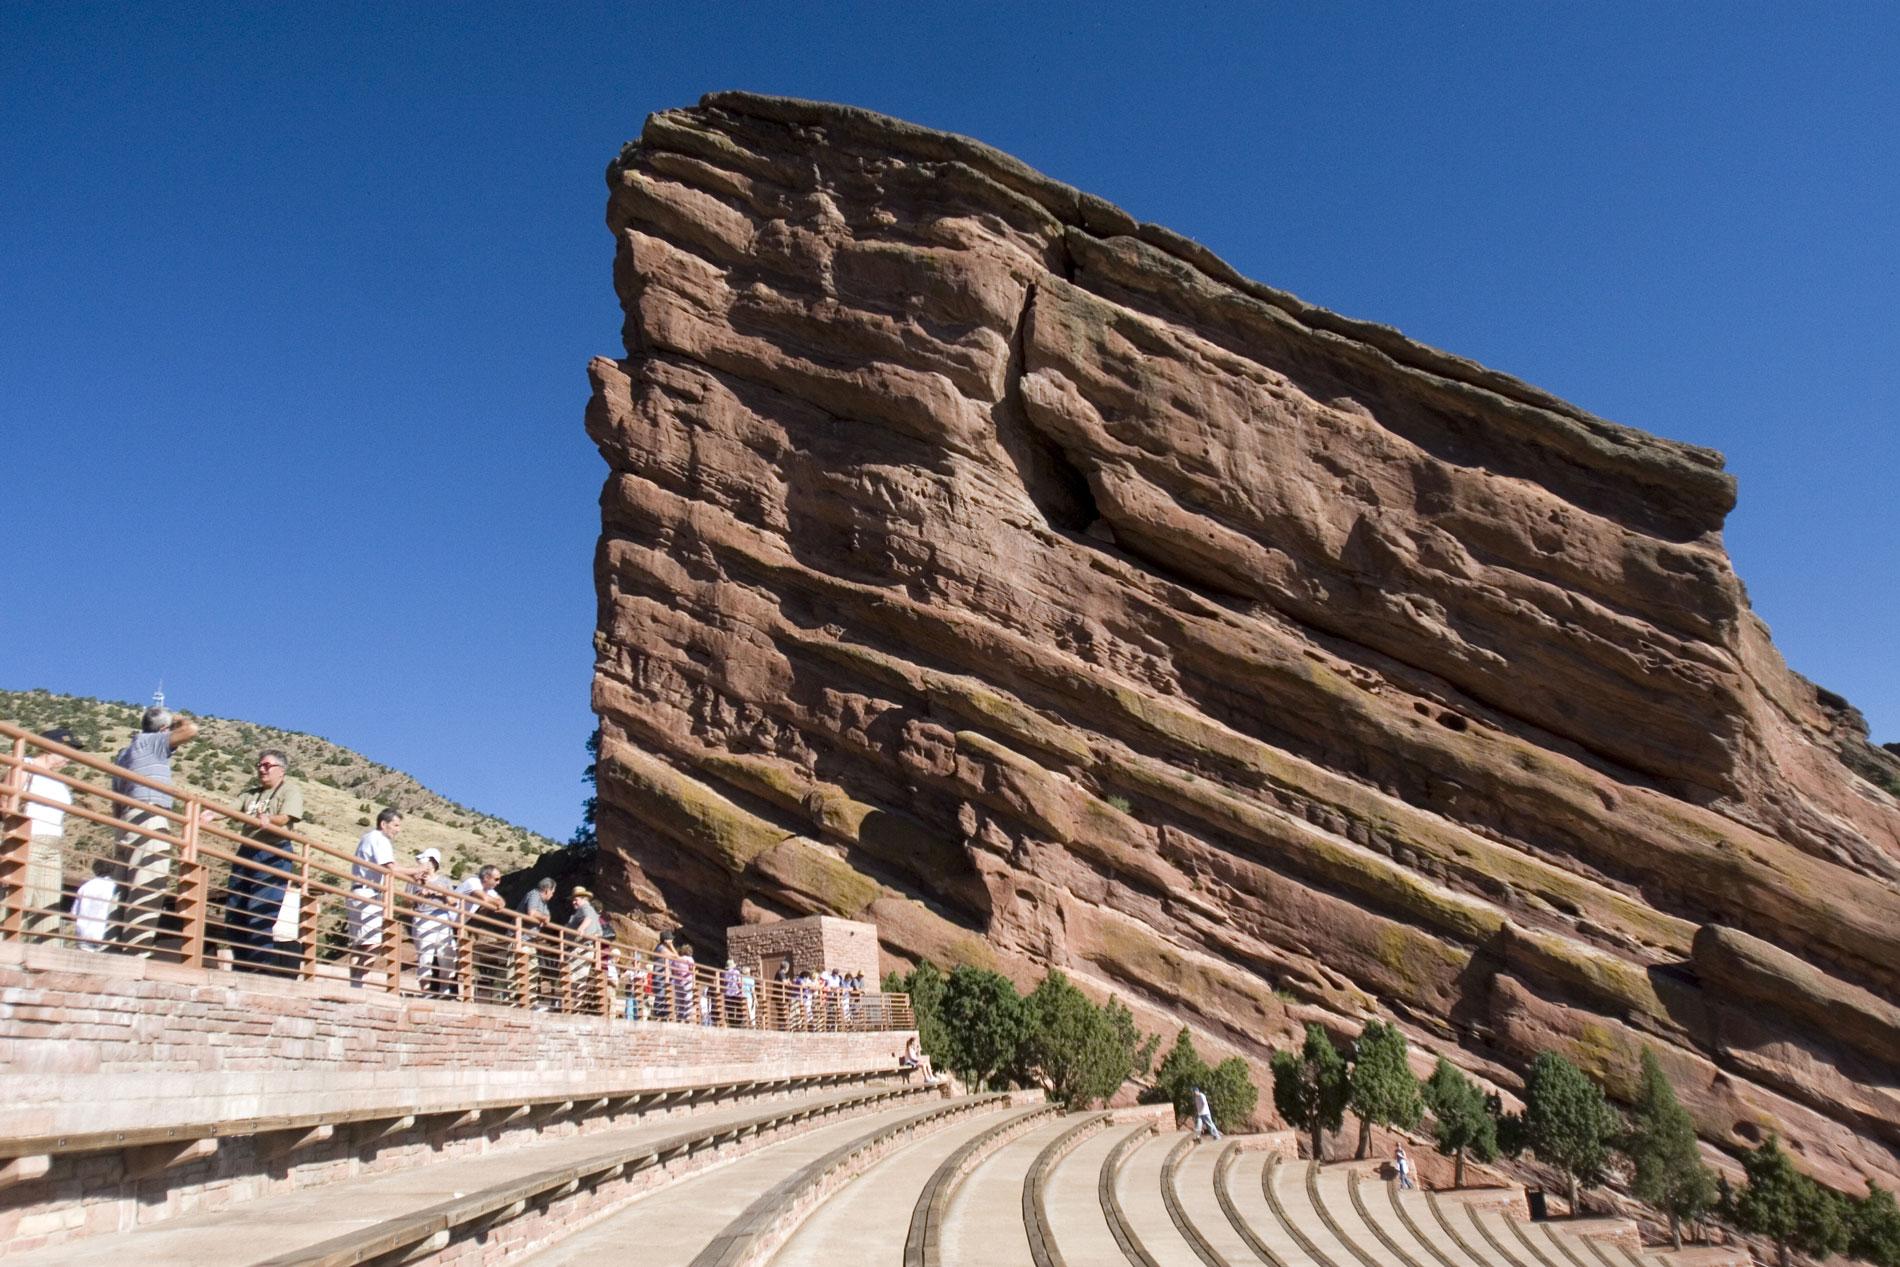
564, 970
308, 902
390, 948
465, 960
193, 887
522, 969
16, 840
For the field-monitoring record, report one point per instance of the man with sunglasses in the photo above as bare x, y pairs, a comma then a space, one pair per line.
255, 897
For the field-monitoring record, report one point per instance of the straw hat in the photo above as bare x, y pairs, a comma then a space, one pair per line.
581, 890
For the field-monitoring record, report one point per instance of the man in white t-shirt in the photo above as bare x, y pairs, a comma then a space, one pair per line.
42, 880
92, 906
369, 879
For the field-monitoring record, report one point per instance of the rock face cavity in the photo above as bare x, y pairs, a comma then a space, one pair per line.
981, 562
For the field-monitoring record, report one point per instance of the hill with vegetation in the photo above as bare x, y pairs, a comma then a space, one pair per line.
343, 789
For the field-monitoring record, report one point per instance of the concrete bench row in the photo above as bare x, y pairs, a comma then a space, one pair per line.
522, 1195
897, 1176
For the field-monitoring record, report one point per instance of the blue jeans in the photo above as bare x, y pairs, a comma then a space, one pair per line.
1206, 1120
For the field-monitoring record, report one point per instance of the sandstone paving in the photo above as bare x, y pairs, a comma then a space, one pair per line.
1072, 1196
865, 1223
984, 1225
1139, 1187
1243, 1189
1201, 1204
257, 1230
671, 1225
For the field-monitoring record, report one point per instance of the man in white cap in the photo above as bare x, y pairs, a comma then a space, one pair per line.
436, 916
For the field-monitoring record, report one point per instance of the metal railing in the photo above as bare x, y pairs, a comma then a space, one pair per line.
201, 883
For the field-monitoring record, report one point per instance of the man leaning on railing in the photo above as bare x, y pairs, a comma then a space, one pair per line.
370, 876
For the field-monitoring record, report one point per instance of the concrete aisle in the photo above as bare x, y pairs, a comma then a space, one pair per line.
670, 1225
1073, 1198
865, 1223
1140, 1192
985, 1223
1515, 1253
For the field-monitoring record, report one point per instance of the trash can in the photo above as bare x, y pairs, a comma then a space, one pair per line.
1535, 1197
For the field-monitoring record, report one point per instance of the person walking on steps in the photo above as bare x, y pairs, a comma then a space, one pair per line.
1403, 1165
1203, 1115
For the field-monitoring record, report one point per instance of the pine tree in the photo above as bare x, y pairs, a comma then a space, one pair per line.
1568, 1123
1463, 1118
1662, 1144
1873, 1228
584, 836
1384, 1090
1311, 1086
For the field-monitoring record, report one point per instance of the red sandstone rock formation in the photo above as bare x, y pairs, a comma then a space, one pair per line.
981, 562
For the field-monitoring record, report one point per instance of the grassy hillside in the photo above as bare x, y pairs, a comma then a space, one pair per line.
343, 790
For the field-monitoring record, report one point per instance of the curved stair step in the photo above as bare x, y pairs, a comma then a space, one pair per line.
1286, 1186
865, 1224
430, 1205
1244, 1187
1075, 1225
923, 1244
984, 1226
1141, 1196
674, 1224
1334, 1192
1568, 1253
755, 1235
1502, 1234
1413, 1209
1108, 1195
1209, 1229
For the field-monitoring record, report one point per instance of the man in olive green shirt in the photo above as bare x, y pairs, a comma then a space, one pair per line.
260, 878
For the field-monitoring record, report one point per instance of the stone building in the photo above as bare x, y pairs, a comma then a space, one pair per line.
816, 942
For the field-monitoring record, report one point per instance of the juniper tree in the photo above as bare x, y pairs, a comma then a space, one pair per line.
1311, 1086
1083, 1052
1786, 1206
1567, 1122
1231, 1094
1384, 1090
1873, 1228
1464, 1119
1662, 1145
925, 985
1180, 1071
983, 1024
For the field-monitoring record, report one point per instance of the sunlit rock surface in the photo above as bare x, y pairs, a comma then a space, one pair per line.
981, 562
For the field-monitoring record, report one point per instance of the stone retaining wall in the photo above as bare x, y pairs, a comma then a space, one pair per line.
103, 1042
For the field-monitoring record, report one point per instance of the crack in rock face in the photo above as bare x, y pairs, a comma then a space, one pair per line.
981, 562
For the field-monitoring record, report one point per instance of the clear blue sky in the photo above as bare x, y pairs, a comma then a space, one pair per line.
295, 300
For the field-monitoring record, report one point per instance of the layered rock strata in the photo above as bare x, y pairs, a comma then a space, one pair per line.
981, 562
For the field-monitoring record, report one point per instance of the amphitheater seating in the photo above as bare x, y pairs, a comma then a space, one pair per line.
869, 1171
